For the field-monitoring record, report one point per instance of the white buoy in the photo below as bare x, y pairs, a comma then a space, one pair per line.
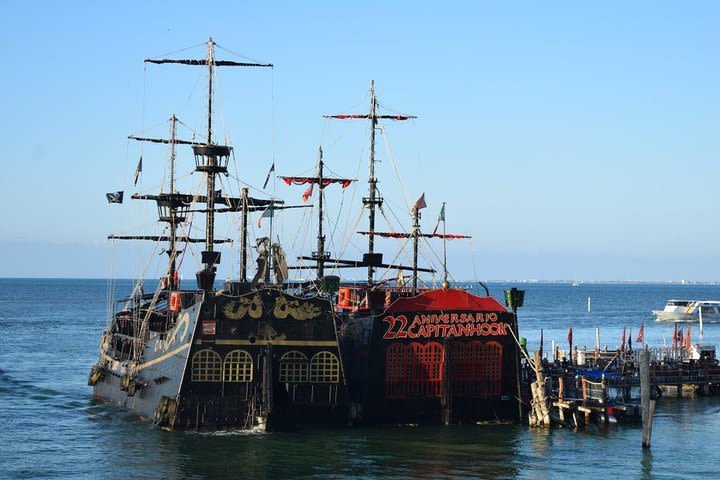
589, 308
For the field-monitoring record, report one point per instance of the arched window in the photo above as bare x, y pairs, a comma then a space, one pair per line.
206, 367
395, 362
324, 368
414, 370
293, 367
493, 367
467, 361
238, 367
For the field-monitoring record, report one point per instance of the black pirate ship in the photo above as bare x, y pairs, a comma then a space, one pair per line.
262, 354
252, 354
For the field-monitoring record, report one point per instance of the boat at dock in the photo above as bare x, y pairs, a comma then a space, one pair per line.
418, 351
254, 354
689, 311
262, 353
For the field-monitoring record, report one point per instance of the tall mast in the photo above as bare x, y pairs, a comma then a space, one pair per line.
210, 218
244, 233
210, 158
320, 256
416, 237
445, 271
320, 237
372, 180
373, 199
173, 208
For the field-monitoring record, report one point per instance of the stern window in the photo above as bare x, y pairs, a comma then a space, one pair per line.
206, 367
324, 368
238, 367
293, 367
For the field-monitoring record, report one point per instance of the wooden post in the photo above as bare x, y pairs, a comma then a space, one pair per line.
647, 404
540, 405
446, 399
561, 388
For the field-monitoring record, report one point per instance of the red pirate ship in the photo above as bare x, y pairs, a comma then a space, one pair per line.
416, 353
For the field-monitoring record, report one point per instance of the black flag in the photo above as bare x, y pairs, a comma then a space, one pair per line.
267, 179
114, 197
138, 170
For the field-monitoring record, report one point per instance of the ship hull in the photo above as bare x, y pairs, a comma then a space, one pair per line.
440, 357
159, 375
263, 359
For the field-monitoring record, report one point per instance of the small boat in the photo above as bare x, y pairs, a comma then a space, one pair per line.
689, 311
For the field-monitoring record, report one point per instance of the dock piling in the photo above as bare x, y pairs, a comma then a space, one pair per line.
646, 402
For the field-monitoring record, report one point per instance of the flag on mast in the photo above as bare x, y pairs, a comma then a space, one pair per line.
641, 334
267, 179
308, 193
269, 212
420, 204
622, 345
138, 171
114, 197
441, 218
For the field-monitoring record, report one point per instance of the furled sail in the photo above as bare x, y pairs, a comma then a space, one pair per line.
447, 236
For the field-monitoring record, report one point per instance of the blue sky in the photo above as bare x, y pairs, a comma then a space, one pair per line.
570, 140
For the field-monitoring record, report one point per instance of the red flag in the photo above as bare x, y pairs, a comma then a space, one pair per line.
308, 193
641, 334
622, 345
688, 343
420, 204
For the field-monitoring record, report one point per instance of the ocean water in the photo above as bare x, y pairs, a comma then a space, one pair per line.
50, 427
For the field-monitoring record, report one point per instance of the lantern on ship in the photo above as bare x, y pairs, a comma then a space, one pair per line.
514, 298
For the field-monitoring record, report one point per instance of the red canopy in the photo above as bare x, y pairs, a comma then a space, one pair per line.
448, 300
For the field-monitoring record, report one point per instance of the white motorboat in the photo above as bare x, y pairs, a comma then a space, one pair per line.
689, 311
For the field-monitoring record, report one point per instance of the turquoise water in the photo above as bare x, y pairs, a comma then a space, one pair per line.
51, 428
